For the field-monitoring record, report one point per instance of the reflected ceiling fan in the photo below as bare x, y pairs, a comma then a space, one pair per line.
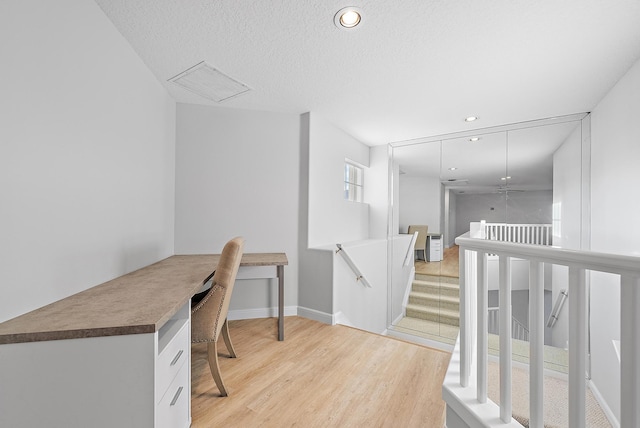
456, 182
506, 189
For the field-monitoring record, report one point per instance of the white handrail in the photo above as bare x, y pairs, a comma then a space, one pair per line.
602, 262
359, 276
457, 393
411, 250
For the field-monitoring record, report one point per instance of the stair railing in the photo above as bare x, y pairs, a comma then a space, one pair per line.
518, 330
359, 276
557, 308
465, 390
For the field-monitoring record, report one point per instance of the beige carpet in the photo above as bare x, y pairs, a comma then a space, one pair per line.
556, 393
555, 389
556, 359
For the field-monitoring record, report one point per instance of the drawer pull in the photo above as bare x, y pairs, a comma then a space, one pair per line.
176, 358
175, 397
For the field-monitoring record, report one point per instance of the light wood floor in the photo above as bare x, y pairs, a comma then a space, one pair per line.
447, 267
320, 376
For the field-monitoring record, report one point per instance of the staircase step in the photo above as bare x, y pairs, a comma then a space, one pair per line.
443, 316
434, 300
439, 288
437, 278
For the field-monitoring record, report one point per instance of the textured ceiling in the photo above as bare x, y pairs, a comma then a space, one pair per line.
413, 68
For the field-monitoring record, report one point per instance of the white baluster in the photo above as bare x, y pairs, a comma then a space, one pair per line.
577, 346
505, 338
483, 314
465, 351
536, 344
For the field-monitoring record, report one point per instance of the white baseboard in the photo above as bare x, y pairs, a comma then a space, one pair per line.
312, 314
603, 405
246, 314
399, 317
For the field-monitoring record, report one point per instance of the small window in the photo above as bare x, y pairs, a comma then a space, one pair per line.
353, 189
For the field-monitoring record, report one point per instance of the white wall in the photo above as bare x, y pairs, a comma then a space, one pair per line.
86, 154
420, 202
377, 192
237, 174
395, 202
315, 291
475, 207
567, 182
326, 218
614, 217
332, 219
450, 207
355, 304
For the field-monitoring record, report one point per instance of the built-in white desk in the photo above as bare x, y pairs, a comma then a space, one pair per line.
115, 355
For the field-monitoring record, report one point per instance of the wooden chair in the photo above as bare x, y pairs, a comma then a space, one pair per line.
421, 242
209, 316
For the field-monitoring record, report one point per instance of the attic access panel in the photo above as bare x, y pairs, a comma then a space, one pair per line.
209, 82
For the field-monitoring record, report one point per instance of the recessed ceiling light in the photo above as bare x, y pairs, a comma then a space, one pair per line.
471, 118
453, 168
505, 178
474, 139
348, 17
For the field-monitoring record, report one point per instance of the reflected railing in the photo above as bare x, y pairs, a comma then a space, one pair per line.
537, 234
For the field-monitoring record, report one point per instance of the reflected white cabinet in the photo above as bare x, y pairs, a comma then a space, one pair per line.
434, 247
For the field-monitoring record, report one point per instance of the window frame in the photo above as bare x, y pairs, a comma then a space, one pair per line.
353, 177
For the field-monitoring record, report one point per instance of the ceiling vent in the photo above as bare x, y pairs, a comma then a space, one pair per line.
210, 83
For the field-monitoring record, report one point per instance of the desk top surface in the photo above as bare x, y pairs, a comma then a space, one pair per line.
138, 302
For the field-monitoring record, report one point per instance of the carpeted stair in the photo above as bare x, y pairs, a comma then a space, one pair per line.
435, 298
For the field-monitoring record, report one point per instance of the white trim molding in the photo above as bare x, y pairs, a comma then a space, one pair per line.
272, 312
315, 315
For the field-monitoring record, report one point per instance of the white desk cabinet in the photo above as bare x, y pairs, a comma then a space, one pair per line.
135, 380
115, 355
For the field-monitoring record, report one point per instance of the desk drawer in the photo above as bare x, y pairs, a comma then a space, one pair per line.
173, 409
171, 359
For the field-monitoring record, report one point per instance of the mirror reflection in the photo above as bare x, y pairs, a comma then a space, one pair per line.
519, 183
